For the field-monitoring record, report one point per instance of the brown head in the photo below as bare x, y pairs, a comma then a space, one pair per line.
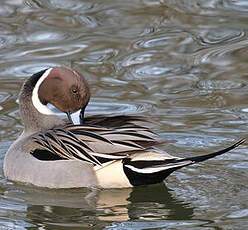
64, 88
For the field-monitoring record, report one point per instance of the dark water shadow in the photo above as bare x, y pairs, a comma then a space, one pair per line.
87, 208
156, 201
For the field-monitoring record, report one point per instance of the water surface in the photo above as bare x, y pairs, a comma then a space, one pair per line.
183, 63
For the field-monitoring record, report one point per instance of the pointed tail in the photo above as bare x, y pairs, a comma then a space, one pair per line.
198, 159
143, 172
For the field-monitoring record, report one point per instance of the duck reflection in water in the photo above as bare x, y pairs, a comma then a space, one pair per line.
87, 207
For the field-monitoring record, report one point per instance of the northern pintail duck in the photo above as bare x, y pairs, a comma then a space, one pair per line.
106, 152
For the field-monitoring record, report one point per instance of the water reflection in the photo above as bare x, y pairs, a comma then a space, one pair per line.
84, 207
158, 201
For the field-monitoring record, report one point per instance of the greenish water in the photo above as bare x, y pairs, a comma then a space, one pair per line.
183, 63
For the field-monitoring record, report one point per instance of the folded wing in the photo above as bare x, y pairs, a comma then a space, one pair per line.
95, 143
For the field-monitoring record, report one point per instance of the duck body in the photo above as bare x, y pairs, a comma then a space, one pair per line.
25, 168
105, 152
34, 163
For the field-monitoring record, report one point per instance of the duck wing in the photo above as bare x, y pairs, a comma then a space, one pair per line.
94, 143
124, 124
116, 121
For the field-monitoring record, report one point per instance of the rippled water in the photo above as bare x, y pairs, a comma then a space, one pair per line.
183, 63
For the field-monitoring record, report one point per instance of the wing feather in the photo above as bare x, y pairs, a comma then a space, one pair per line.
99, 140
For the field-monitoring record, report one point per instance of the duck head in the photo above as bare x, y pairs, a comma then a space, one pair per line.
63, 88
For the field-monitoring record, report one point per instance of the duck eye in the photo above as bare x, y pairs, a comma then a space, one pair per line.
74, 91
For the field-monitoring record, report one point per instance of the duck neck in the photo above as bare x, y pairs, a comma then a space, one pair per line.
33, 120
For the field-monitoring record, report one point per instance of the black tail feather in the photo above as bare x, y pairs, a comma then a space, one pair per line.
214, 154
138, 173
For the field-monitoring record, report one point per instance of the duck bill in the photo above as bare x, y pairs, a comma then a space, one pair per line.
69, 117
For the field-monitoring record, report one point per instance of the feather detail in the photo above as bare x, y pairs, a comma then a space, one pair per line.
96, 144
147, 171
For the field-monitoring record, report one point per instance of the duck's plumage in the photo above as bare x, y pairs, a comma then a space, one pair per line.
94, 143
122, 141
103, 151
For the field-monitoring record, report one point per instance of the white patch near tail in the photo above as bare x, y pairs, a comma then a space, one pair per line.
112, 176
35, 98
156, 169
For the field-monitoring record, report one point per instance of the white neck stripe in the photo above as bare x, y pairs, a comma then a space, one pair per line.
35, 98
